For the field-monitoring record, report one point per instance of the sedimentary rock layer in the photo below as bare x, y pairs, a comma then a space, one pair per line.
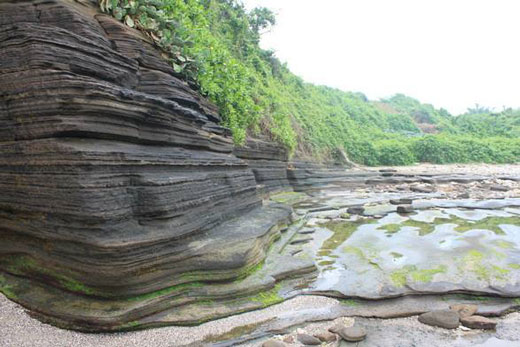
121, 197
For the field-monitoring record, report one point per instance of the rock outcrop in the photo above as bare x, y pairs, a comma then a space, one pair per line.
122, 204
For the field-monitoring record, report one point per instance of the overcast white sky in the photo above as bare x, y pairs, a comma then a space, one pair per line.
450, 53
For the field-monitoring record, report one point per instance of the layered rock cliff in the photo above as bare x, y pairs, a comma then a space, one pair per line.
122, 203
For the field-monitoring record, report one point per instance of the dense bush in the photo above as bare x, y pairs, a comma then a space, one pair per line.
215, 45
394, 152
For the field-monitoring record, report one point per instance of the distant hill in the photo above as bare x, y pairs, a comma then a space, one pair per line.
214, 44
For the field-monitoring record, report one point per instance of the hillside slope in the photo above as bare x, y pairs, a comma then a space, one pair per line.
214, 44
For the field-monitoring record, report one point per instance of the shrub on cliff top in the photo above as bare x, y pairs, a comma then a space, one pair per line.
215, 44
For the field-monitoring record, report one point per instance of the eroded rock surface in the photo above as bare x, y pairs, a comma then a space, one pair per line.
122, 202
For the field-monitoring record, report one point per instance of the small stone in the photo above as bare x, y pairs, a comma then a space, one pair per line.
402, 201
463, 196
387, 170
404, 209
387, 174
273, 343
336, 328
306, 231
289, 339
353, 334
498, 188
478, 322
326, 336
356, 210
301, 241
422, 189
464, 310
309, 340
447, 319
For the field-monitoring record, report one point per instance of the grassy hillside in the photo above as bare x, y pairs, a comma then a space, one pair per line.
215, 45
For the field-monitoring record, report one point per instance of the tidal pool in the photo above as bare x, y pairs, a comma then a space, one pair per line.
431, 251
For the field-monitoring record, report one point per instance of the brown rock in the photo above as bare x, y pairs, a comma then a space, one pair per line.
273, 343
353, 334
307, 339
498, 188
289, 339
447, 319
478, 322
326, 336
464, 310
336, 328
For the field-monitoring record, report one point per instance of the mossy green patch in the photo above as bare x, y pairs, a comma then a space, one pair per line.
341, 232
24, 265
235, 332
489, 223
401, 277
326, 262
289, 198
350, 302
514, 266
390, 228
469, 297
504, 244
426, 275
396, 255
269, 297
166, 291
354, 250
6, 289
474, 261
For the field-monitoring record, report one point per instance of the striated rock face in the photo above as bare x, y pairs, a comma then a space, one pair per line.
122, 203
268, 161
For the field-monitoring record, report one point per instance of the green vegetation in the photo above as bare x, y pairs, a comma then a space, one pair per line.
235, 332
342, 232
165, 291
463, 225
23, 265
490, 223
400, 277
289, 198
214, 44
6, 289
269, 297
350, 302
474, 261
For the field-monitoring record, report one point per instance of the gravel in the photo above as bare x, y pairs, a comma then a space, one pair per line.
18, 329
